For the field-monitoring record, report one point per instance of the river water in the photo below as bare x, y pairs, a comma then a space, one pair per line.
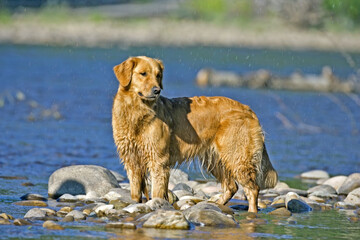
55, 111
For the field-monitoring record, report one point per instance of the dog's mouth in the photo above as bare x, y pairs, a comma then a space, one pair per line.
152, 97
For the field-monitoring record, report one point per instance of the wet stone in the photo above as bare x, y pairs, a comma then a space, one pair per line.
27, 184
209, 217
138, 208
6, 216
33, 196
281, 212
68, 218
351, 183
77, 215
67, 198
35, 213
159, 203
200, 207
21, 222
4, 221
52, 225
167, 219
121, 225
35, 203
298, 206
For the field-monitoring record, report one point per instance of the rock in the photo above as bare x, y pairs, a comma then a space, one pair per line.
178, 176
119, 193
138, 208
167, 219
172, 197
343, 205
352, 182
33, 196
298, 206
21, 222
100, 210
184, 204
81, 179
317, 199
284, 191
215, 198
183, 186
121, 225
119, 204
35, 203
52, 225
281, 212
4, 221
67, 198
200, 207
315, 175
281, 185
49, 212
278, 202
159, 203
210, 217
182, 193
68, 219
289, 196
77, 215
35, 213
27, 184
118, 176
324, 191
6, 216
335, 182
353, 197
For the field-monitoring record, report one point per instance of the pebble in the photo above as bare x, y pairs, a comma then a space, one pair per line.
33, 196
121, 225
4, 221
119, 194
21, 222
167, 219
77, 215
138, 208
100, 210
281, 212
36, 213
353, 197
159, 203
35, 203
183, 204
351, 182
324, 191
119, 204
52, 225
315, 175
6, 216
298, 206
68, 218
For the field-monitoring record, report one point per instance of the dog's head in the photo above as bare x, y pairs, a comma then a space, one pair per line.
141, 76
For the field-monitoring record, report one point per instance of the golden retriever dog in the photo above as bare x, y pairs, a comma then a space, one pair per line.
153, 134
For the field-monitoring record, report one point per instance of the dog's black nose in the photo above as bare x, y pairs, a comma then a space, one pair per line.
156, 90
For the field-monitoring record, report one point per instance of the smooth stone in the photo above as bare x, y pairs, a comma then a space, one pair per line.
92, 195
184, 204
178, 176
353, 197
100, 210
281, 212
35, 213
215, 197
4, 221
167, 219
6, 216
182, 193
289, 196
33, 196
121, 225
200, 207
81, 179
159, 203
119, 193
315, 174
119, 204
343, 205
77, 215
35, 203
284, 191
49, 212
67, 198
193, 198
119, 177
68, 219
281, 185
52, 225
278, 202
317, 199
210, 217
21, 222
138, 208
298, 206
183, 186
335, 182
352, 182
324, 191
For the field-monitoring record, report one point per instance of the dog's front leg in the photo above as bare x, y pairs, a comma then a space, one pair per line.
160, 180
136, 180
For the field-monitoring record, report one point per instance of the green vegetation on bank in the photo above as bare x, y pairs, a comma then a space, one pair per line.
333, 15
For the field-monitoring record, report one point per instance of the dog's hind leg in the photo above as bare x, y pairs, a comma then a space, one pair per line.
228, 184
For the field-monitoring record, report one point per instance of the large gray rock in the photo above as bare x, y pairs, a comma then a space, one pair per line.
210, 217
335, 182
353, 197
167, 219
352, 182
81, 179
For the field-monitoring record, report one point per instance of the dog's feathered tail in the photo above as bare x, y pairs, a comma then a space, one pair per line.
267, 177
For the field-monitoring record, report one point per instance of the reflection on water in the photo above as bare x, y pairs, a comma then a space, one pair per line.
72, 88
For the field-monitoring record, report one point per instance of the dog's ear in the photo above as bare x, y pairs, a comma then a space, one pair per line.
162, 70
123, 72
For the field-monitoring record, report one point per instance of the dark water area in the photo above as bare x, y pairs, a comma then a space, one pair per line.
320, 131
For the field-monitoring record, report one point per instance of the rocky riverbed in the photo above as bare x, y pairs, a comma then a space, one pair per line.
93, 194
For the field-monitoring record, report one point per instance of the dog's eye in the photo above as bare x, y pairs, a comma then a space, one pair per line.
143, 74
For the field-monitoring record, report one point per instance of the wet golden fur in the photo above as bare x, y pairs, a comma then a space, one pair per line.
153, 134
